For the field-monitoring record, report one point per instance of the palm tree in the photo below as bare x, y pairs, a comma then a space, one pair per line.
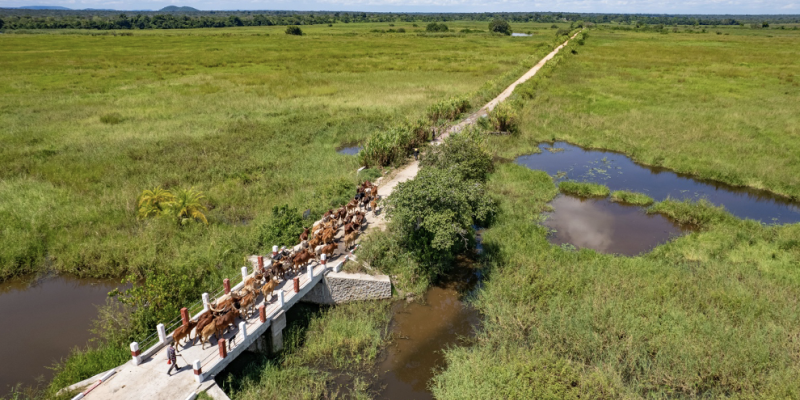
188, 206
154, 202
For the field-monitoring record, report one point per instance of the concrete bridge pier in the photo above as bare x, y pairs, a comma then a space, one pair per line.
276, 332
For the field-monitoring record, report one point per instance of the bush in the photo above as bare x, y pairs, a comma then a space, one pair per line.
434, 27
562, 32
504, 119
462, 155
500, 26
283, 229
294, 30
554, 26
111, 119
388, 146
449, 109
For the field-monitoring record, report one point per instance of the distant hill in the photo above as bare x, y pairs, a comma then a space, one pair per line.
44, 8
178, 9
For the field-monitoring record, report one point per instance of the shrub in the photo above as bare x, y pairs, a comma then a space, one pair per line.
283, 229
434, 27
294, 30
504, 119
388, 146
554, 26
462, 155
111, 119
562, 32
401, 30
584, 189
500, 26
448, 109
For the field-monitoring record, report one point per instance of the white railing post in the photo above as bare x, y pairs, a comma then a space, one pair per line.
338, 267
280, 297
310, 272
198, 371
206, 302
244, 274
136, 353
274, 251
162, 333
243, 328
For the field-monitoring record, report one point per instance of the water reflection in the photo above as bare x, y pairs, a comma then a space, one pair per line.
43, 320
350, 151
618, 172
606, 226
515, 34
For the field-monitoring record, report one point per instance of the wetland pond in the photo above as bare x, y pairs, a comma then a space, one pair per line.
349, 151
616, 228
44, 320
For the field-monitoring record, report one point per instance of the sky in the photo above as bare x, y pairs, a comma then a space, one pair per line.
589, 6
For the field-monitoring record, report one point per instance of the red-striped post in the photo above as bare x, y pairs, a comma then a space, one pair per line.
136, 353
296, 282
185, 316
324, 259
262, 313
260, 263
226, 283
223, 350
198, 371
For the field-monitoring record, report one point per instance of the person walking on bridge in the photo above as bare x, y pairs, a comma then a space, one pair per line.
172, 359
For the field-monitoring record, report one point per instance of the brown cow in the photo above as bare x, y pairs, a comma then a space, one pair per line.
247, 303
206, 333
183, 332
304, 235
268, 288
222, 323
203, 320
350, 240
348, 229
302, 259
328, 236
327, 250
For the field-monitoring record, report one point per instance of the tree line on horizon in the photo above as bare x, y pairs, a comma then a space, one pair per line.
13, 19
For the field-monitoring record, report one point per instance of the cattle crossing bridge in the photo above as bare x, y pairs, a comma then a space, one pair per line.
145, 377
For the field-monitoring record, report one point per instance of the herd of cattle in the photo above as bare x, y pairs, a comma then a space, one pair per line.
320, 239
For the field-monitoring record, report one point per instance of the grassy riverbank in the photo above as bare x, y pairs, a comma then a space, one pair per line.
717, 106
712, 313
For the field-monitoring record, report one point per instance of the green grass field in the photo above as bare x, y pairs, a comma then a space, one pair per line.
712, 314
716, 106
251, 117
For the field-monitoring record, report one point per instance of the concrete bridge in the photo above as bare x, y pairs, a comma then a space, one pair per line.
145, 377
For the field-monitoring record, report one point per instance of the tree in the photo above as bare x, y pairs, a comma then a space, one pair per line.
434, 27
154, 202
188, 206
1, 23
500, 26
461, 154
294, 30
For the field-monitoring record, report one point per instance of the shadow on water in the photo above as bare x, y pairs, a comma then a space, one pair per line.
43, 321
565, 161
350, 151
421, 330
608, 227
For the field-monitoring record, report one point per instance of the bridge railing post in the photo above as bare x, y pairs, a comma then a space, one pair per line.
162, 333
136, 353
244, 274
223, 349
262, 313
243, 328
198, 371
310, 272
185, 316
261, 263
280, 298
296, 284
226, 283
274, 251
206, 302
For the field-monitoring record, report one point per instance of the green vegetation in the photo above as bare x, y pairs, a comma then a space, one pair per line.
710, 314
504, 119
668, 99
269, 140
584, 189
500, 26
434, 27
294, 30
637, 199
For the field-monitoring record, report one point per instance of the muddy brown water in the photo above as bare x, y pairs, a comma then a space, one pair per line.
43, 320
421, 331
608, 227
565, 161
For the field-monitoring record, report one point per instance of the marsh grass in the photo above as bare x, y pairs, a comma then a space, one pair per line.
634, 198
584, 189
696, 317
